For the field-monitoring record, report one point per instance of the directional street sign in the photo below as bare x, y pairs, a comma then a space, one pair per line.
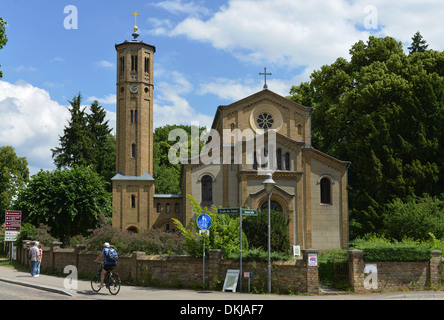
249, 212
13, 220
245, 211
228, 211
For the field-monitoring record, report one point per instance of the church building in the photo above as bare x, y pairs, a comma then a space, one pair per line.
310, 186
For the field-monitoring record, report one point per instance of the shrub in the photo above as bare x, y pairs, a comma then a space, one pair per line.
149, 241
393, 251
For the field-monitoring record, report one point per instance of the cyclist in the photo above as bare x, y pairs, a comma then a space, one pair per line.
109, 265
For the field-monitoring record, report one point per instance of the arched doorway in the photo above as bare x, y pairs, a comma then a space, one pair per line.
133, 229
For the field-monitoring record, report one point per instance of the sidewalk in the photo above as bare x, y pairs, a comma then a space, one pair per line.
83, 291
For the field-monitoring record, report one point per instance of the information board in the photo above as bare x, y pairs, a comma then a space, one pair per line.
231, 280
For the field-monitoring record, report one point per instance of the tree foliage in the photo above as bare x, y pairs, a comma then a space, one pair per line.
14, 174
69, 201
167, 175
256, 229
383, 110
224, 232
87, 140
3, 38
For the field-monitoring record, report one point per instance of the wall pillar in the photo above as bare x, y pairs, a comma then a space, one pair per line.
356, 267
312, 278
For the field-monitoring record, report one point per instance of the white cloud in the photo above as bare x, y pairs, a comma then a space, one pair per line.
108, 99
311, 33
31, 123
178, 7
105, 64
170, 107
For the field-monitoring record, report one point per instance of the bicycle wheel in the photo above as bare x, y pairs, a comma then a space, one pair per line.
95, 283
114, 284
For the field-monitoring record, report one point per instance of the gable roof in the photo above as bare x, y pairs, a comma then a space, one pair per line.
257, 96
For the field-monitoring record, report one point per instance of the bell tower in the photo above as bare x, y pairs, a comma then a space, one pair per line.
134, 131
133, 185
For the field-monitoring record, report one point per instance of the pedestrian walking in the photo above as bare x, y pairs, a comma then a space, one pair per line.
34, 257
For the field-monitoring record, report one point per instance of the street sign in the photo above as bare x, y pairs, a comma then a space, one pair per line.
13, 220
228, 211
204, 221
11, 235
243, 211
249, 212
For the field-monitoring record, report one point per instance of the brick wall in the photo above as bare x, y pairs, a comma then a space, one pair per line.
416, 275
184, 271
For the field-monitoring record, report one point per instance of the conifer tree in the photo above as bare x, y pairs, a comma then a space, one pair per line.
418, 44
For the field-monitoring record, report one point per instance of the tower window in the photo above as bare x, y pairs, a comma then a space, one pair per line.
132, 116
134, 63
122, 64
133, 201
133, 150
147, 65
325, 191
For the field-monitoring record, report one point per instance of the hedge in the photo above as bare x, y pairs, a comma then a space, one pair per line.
378, 251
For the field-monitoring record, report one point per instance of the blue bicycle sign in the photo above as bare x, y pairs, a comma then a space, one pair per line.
204, 221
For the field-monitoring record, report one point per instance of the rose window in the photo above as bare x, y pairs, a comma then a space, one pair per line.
265, 121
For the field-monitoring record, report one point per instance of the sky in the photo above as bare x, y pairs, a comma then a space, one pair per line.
208, 53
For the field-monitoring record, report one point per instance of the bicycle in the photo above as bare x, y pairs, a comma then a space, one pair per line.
111, 281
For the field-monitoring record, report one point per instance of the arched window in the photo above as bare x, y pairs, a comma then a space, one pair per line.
167, 208
207, 189
158, 207
325, 191
273, 206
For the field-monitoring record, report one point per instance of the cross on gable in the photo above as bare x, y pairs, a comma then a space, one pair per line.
265, 74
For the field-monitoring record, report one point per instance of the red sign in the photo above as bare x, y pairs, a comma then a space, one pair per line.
13, 220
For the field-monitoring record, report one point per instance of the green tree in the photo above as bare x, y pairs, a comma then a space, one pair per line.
383, 111
69, 201
418, 43
14, 173
167, 175
224, 232
74, 144
87, 140
256, 230
3, 38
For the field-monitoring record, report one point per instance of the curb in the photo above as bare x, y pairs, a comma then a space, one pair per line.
40, 286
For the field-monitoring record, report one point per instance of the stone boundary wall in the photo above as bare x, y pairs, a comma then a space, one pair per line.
183, 271
393, 275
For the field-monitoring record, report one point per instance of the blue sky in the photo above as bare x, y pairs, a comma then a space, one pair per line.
209, 53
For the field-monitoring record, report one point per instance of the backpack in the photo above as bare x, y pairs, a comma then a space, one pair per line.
112, 255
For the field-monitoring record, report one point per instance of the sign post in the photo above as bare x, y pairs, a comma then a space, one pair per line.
241, 212
204, 223
13, 223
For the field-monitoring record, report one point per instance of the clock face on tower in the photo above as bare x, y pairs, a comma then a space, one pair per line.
134, 88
